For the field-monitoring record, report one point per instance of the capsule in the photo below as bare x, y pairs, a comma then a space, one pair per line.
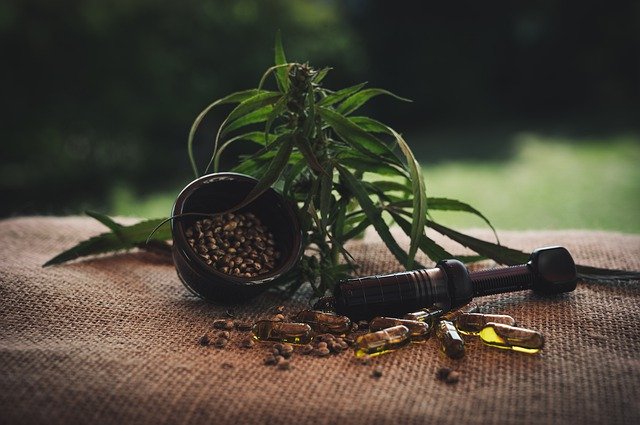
272, 330
512, 338
418, 331
426, 315
452, 343
375, 343
325, 322
472, 323
452, 315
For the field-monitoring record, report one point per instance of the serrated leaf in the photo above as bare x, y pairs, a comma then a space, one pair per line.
427, 245
254, 136
369, 124
373, 214
358, 99
419, 196
498, 253
340, 95
134, 236
280, 59
275, 168
326, 187
232, 98
357, 137
446, 204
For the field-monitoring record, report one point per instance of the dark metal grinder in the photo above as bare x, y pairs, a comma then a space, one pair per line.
449, 285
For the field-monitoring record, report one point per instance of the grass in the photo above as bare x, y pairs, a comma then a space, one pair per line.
549, 183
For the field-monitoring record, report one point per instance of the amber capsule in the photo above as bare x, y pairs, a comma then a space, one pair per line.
472, 323
452, 343
375, 343
271, 330
427, 315
512, 338
418, 331
325, 322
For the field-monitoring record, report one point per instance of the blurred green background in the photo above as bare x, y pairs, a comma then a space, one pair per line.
527, 110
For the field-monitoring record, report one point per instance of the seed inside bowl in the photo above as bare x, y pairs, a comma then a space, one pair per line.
234, 244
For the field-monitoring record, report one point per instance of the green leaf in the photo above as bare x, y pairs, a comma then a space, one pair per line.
446, 204
427, 245
419, 195
357, 100
280, 59
373, 214
106, 220
390, 186
366, 164
254, 136
326, 187
321, 75
255, 117
275, 168
369, 124
340, 95
131, 237
357, 137
232, 98
498, 253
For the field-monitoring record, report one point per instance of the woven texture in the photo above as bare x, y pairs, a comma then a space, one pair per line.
114, 340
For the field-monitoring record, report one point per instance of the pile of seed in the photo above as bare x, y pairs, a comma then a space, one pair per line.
234, 244
221, 338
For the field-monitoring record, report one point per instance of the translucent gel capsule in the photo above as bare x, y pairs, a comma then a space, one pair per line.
453, 314
375, 343
472, 323
512, 338
325, 322
418, 331
293, 333
427, 315
452, 343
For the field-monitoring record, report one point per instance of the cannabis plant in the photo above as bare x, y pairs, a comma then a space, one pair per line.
343, 171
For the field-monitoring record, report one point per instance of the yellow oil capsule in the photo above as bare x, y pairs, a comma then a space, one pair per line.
472, 323
418, 331
451, 342
271, 330
375, 343
426, 315
325, 322
452, 315
512, 338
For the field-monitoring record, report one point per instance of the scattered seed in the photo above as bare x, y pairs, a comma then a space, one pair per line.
221, 342
247, 343
224, 334
306, 349
453, 377
226, 366
228, 325
377, 372
321, 352
442, 373
219, 323
204, 340
270, 360
284, 364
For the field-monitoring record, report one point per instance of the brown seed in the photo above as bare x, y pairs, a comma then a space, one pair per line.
226, 366
228, 325
278, 346
306, 349
275, 351
377, 372
453, 377
247, 343
221, 342
219, 323
322, 352
270, 360
204, 340
224, 334
322, 345
442, 373
286, 348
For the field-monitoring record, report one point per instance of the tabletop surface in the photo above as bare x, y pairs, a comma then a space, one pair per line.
114, 339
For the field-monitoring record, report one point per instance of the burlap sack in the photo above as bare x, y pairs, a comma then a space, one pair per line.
114, 340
